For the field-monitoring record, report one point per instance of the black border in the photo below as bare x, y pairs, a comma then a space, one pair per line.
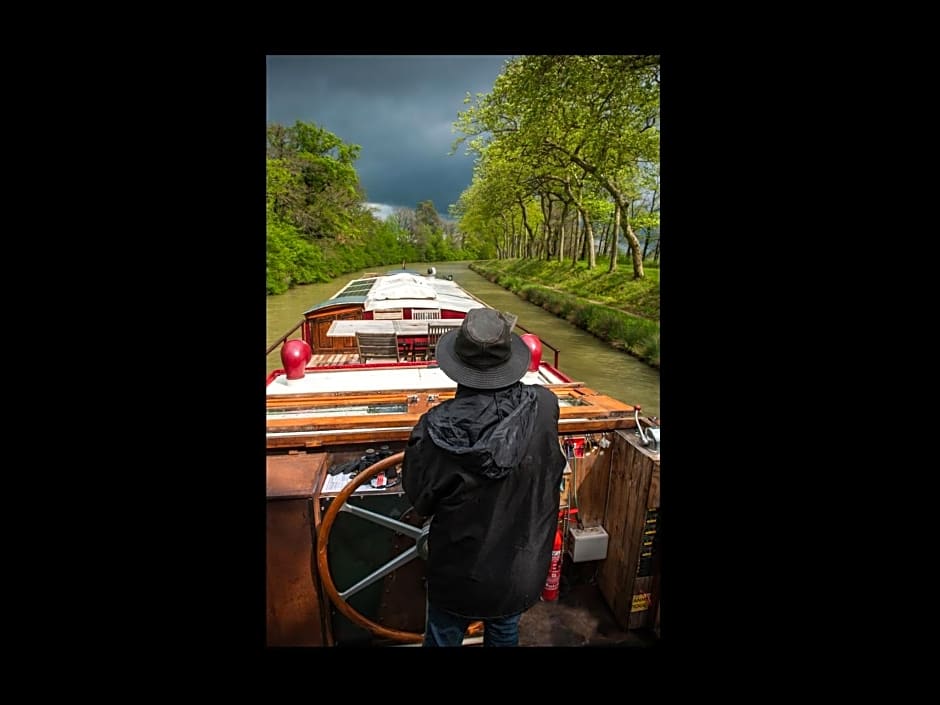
193, 173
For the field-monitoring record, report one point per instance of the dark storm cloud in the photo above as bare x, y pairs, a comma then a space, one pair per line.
399, 108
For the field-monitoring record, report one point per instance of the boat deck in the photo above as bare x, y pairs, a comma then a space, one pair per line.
383, 375
336, 360
333, 360
342, 407
579, 617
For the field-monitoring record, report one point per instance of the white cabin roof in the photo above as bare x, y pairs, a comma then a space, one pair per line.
412, 291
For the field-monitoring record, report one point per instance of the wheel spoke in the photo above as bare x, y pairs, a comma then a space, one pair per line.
397, 562
382, 520
323, 563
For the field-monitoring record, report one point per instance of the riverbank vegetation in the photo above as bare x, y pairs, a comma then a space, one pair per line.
566, 172
318, 224
617, 308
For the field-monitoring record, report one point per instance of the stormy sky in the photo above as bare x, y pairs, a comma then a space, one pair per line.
400, 109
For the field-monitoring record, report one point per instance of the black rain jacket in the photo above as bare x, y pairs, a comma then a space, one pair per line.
487, 465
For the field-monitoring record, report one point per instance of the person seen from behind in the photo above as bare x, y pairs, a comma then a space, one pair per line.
486, 466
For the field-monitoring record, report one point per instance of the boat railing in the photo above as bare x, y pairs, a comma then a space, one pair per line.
276, 344
273, 346
544, 343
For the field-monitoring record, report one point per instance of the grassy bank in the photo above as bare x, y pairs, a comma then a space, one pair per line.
613, 307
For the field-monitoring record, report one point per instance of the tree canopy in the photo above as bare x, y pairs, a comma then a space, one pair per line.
318, 226
566, 168
566, 146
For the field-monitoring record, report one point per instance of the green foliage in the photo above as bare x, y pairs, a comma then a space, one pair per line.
341, 257
383, 243
279, 257
437, 248
584, 129
317, 227
311, 180
427, 215
648, 349
290, 258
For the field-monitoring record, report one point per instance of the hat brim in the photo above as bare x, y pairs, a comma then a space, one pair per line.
503, 375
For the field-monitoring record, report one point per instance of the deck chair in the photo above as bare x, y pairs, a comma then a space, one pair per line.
377, 345
434, 334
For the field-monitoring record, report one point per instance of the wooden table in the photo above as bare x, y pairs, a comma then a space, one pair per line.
347, 328
407, 331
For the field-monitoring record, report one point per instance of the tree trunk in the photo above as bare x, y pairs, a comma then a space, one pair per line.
620, 204
588, 228
546, 204
577, 229
561, 234
511, 237
525, 224
589, 240
613, 236
635, 248
607, 231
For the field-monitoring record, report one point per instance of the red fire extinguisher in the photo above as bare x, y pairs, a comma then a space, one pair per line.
550, 591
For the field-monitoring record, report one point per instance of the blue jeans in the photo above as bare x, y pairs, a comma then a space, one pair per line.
446, 629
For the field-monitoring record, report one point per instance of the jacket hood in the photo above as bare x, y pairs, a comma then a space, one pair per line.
488, 430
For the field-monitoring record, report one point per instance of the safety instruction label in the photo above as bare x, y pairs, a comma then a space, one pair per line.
644, 567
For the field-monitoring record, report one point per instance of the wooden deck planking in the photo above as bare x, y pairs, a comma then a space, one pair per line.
333, 359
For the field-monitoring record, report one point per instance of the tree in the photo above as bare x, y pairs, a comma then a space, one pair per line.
426, 214
317, 187
317, 225
597, 113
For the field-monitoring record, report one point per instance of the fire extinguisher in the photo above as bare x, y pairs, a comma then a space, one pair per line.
550, 591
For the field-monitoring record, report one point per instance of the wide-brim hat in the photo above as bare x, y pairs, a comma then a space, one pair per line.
484, 353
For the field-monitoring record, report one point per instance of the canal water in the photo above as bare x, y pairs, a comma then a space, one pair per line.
582, 357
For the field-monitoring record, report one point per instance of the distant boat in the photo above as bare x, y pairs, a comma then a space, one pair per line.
411, 309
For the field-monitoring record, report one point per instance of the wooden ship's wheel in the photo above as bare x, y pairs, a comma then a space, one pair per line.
420, 535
